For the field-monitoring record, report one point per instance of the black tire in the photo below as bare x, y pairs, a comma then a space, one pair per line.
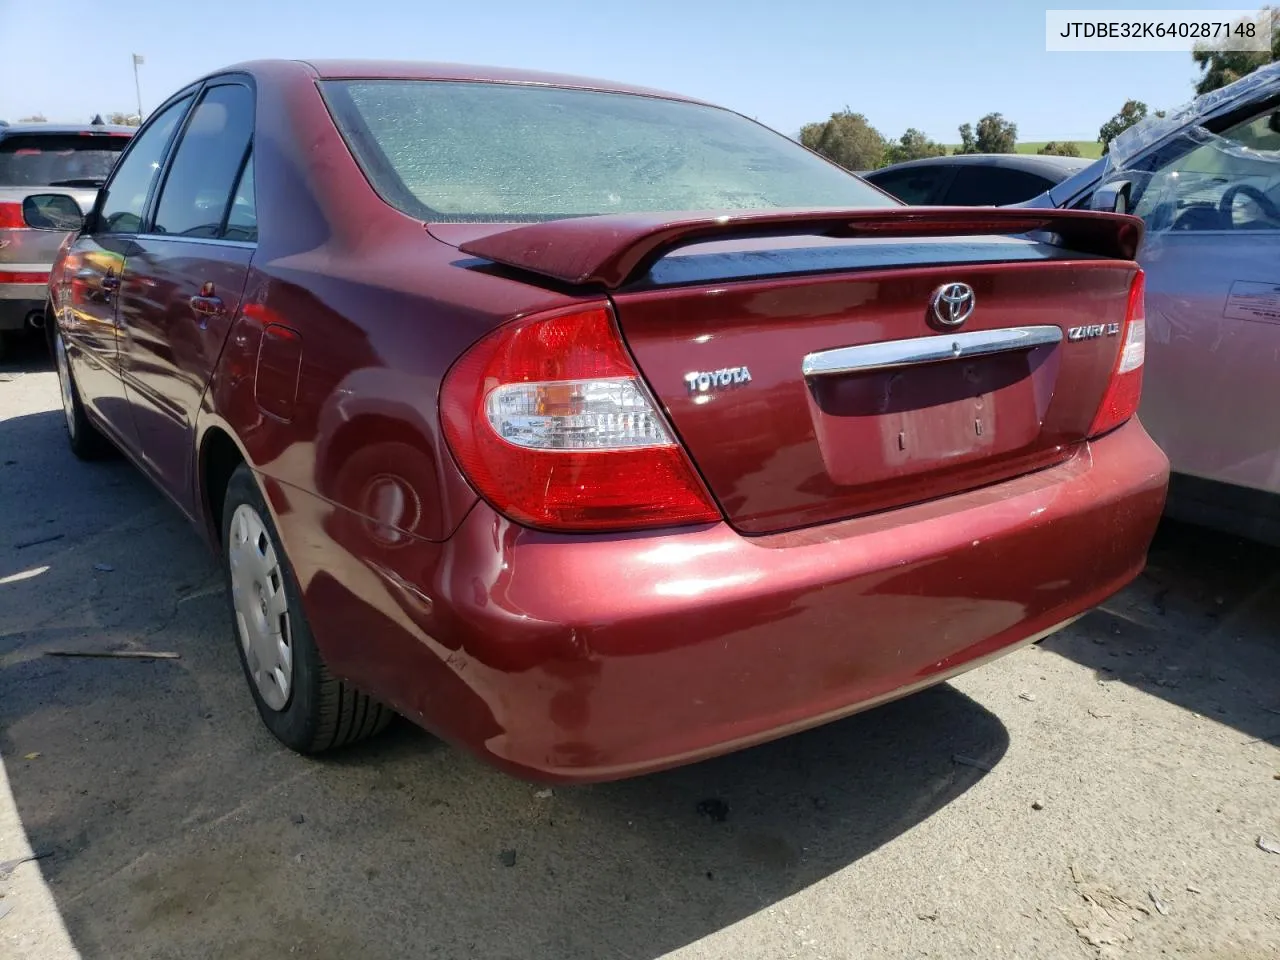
82, 436
321, 712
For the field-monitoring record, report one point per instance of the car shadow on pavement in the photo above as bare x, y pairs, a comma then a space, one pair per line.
24, 352
178, 828
177, 835
1200, 628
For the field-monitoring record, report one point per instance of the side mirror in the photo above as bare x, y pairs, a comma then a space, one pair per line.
52, 211
1111, 197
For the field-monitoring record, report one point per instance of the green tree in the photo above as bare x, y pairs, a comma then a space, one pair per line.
1221, 67
123, 119
995, 134
1059, 148
913, 145
847, 139
34, 118
1133, 111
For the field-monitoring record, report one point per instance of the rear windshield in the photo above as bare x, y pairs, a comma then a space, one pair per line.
465, 151
50, 159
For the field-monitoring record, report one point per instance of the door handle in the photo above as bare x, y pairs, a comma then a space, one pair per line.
207, 303
109, 284
205, 306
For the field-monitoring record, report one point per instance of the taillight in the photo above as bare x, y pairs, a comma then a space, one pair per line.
1120, 402
550, 420
11, 217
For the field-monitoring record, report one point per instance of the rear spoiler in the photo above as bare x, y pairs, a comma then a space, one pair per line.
608, 250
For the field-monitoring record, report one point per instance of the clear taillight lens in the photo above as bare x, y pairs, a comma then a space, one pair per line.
1124, 391
549, 419
605, 414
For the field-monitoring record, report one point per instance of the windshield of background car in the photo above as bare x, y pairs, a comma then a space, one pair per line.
47, 159
466, 151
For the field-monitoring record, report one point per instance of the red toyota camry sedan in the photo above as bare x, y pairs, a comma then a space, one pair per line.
596, 429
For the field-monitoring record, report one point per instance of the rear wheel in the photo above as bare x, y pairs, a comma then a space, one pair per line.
85, 440
300, 701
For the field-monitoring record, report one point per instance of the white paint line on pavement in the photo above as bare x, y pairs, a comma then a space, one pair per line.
24, 575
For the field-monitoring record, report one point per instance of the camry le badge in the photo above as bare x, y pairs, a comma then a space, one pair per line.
1093, 330
702, 381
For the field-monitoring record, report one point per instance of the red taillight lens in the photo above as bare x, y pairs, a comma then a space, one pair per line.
1120, 402
550, 420
11, 217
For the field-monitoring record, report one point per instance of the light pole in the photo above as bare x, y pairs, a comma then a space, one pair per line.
138, 60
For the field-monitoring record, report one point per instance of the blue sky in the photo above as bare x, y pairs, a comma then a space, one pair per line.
931, 64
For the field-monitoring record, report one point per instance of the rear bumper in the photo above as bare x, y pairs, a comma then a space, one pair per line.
598, 658
18, 301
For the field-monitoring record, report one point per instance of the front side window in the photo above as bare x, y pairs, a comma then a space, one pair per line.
126, 193
512, 152
1226, 182
197, 191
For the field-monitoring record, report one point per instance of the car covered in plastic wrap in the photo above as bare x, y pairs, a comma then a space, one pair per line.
1205, 179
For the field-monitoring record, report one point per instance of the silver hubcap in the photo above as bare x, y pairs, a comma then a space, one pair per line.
64, 381
262, 609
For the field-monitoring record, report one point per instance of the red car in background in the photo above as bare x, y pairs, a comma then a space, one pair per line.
593, 428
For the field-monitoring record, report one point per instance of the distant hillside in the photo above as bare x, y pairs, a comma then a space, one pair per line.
1088, 148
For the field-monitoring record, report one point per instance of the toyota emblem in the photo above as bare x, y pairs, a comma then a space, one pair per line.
952, 304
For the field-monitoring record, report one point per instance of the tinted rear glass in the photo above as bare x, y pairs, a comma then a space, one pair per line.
914, 185
44, 159
993, 186
489, 151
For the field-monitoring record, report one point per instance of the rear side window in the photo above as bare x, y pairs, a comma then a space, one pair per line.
126, 194
978, 186
197, 191
242, 221
496, 151
58, 160
914, 185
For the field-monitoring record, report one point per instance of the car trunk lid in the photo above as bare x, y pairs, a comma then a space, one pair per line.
810, 378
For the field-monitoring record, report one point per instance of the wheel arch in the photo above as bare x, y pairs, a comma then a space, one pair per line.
219, 453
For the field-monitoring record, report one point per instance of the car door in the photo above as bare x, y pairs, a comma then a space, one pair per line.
1212, 257
94, 265
182, 283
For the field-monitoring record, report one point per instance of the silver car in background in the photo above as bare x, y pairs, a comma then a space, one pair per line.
73, 159
1206, 181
